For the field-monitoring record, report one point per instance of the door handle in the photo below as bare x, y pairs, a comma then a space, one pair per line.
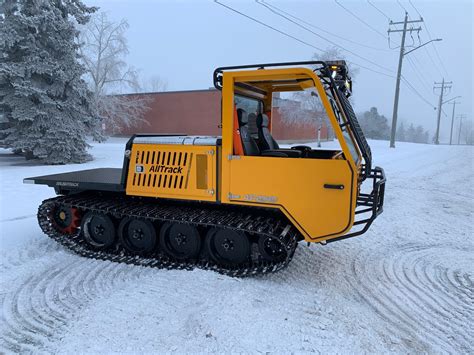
334, 187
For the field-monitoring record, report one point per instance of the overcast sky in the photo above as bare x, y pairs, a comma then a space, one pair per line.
183, 41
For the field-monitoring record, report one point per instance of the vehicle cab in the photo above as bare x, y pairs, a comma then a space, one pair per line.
317, 189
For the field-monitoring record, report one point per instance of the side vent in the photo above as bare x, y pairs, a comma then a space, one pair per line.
159, 169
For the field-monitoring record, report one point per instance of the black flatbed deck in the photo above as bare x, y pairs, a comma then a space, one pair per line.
101, 179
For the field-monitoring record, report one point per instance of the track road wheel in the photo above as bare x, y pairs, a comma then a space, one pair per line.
98, 230
181, 241
137, 235
271, 248
66, 219
227, 246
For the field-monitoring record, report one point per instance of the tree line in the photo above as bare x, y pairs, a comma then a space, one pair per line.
376, 126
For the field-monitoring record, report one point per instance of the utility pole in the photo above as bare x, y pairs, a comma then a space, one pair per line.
452, 121
399, 72
460, 126
444, 85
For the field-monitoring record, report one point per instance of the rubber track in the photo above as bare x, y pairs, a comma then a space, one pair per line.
255, 222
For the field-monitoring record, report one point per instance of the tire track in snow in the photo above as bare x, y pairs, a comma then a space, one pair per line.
37, 307
212, 312
14, 258
402, 287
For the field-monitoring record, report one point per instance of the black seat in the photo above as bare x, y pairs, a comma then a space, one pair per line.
264, 136
269, 145
248, 143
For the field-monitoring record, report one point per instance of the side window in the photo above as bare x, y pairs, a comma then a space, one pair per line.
299, 117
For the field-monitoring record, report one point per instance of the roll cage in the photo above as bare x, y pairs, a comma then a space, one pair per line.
337, 83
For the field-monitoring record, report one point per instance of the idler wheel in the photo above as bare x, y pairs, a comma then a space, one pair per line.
271, 248
227, 246
98, 230
181, 241
137, 235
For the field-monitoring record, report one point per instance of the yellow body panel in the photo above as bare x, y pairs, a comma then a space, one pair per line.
296, 186
172, 171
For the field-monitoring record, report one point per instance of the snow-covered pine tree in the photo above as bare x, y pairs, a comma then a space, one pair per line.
401, 132
45, 102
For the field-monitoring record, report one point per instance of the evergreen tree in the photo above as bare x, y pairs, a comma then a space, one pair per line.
411, 133
374, 125
45, 102
426, 137
418, 138
401, 133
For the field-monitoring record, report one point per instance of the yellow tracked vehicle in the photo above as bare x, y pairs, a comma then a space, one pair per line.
237, 203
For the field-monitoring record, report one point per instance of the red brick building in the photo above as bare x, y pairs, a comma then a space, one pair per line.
198, 112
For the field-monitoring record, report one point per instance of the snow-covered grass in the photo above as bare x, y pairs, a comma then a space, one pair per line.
404, 286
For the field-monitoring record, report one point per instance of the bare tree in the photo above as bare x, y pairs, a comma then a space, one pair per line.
123, 111
153, 84
103, 51
304, 108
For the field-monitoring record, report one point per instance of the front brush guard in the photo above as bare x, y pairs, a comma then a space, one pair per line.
368, 203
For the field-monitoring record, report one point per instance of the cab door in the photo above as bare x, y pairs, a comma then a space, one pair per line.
316, 194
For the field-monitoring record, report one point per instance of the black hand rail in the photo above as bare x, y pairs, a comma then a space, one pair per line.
218, 71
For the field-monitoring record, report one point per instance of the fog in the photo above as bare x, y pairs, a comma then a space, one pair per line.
183, 41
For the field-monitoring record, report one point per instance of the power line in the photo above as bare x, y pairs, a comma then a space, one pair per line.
416, 92
268, 26
350, 62
411, 61
403, 7
418, 73
429, 36
318, 35
414, 8
412, 64
417, 63
361, 20
380, 11
386, 16
321, 29
435, 65
295, 38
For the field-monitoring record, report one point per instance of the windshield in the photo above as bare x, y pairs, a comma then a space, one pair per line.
300, 117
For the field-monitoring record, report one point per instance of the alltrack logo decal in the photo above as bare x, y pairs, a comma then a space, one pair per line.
166, 169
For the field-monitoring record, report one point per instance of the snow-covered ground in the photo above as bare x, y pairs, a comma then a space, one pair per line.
405, 286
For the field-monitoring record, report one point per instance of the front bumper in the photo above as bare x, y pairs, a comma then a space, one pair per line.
369, 205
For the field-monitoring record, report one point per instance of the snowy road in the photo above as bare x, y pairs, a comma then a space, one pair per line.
405, 286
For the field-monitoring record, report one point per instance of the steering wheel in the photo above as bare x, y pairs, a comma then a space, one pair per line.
338, 155
303, 148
